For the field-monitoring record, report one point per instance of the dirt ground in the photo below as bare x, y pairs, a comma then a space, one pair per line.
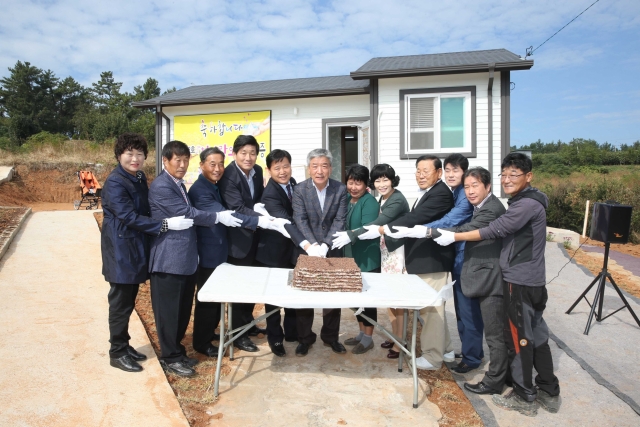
9, 219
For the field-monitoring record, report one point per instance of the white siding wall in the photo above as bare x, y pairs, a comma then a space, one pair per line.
298, 134
389, 125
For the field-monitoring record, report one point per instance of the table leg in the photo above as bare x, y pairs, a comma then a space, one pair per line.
230, 316
220, 351
405, 319
413, 358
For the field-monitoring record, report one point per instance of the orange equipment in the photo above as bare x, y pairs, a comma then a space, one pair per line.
90, 191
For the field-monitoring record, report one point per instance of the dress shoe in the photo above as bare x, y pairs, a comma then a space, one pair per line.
211, 351
302, 349
126, 363
422, 363
351, 341
178, 368
190, 361
255, 331
386, 344
360, 349
480, 388
463, 368
137, 356
278, 349
449, 357
336, 347
513, 402
459, 355
244, 343
393, 354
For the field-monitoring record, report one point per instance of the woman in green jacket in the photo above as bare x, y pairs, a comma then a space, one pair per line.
362, 208
392, 205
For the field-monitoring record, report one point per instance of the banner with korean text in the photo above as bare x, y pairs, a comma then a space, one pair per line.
221, 130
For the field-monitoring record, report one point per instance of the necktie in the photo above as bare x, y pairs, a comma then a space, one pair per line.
289, 193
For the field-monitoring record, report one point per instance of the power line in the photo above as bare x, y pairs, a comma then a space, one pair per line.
530, 49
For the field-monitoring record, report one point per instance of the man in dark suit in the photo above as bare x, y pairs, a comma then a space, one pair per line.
481, 276
241, 187
319, 211
426, 259
174, 257
212, 245
274, 249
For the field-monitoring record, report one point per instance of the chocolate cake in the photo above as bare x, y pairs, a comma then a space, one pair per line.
327, 274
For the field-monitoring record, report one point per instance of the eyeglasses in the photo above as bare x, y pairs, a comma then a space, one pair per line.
424, 172
510, 177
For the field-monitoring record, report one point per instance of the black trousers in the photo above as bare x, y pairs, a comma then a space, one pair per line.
527, 338
122, 301
171, 299
370, 312
242, 312
206, 315
330, 325
275, 333
492, 308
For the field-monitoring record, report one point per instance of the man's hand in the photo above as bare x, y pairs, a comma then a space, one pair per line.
446, 238
372, 233
341, 239
324, 248
226, 218
314, 250
416, 232
259, 208
179, 223
278, 225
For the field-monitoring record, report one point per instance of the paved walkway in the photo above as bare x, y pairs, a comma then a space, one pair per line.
54, 347
598, 373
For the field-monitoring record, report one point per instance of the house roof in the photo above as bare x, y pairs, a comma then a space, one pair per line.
271, 89
441, 63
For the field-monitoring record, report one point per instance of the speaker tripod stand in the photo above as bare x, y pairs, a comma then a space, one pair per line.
598, 299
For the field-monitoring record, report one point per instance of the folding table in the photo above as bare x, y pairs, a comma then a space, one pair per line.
230, 284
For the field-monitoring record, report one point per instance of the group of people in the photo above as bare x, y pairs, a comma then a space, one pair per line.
177, 238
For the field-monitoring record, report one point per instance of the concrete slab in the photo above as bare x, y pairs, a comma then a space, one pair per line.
560, 235
54, 347
323, 388
598, 373
6, 173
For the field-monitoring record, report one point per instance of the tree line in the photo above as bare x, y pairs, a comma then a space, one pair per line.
561, 158
33, 100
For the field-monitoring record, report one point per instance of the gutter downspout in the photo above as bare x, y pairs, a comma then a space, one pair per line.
490, 110
158, 141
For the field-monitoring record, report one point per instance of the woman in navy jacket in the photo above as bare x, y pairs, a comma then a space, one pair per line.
126, 231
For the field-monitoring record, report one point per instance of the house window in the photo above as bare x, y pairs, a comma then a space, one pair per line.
437, 121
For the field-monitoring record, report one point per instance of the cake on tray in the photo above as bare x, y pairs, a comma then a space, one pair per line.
327, 274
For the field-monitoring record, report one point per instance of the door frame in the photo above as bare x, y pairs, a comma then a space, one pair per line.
341, 122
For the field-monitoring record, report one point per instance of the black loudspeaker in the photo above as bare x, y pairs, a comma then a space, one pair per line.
611, 223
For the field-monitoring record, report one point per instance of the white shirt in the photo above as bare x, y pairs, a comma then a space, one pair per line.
248, 178
322, 194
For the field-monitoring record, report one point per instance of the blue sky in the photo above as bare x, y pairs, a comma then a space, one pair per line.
585, 82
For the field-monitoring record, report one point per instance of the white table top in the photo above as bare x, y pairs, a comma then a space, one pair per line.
230, 283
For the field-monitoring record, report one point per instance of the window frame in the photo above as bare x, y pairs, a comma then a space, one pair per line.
406, 94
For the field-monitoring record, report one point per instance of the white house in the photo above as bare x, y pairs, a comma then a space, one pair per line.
390, 110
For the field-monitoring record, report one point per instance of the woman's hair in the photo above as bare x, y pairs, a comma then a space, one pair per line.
130, 141
357, 173
383, 170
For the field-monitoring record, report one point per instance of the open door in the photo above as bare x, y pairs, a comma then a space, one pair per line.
349, 145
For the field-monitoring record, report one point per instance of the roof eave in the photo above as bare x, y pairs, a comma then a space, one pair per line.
474, 68
252, 97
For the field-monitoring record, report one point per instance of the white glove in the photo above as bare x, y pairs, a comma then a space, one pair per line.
229, 220
416, 232
314, 250
278, 225
259, 208
446, 238
179, 223
323, 250
341, 239
372, 232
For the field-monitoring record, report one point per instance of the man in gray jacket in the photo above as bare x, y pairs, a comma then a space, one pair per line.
523, 232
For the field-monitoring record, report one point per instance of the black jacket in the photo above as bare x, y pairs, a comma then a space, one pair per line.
274, 249
237, 196
424, 255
